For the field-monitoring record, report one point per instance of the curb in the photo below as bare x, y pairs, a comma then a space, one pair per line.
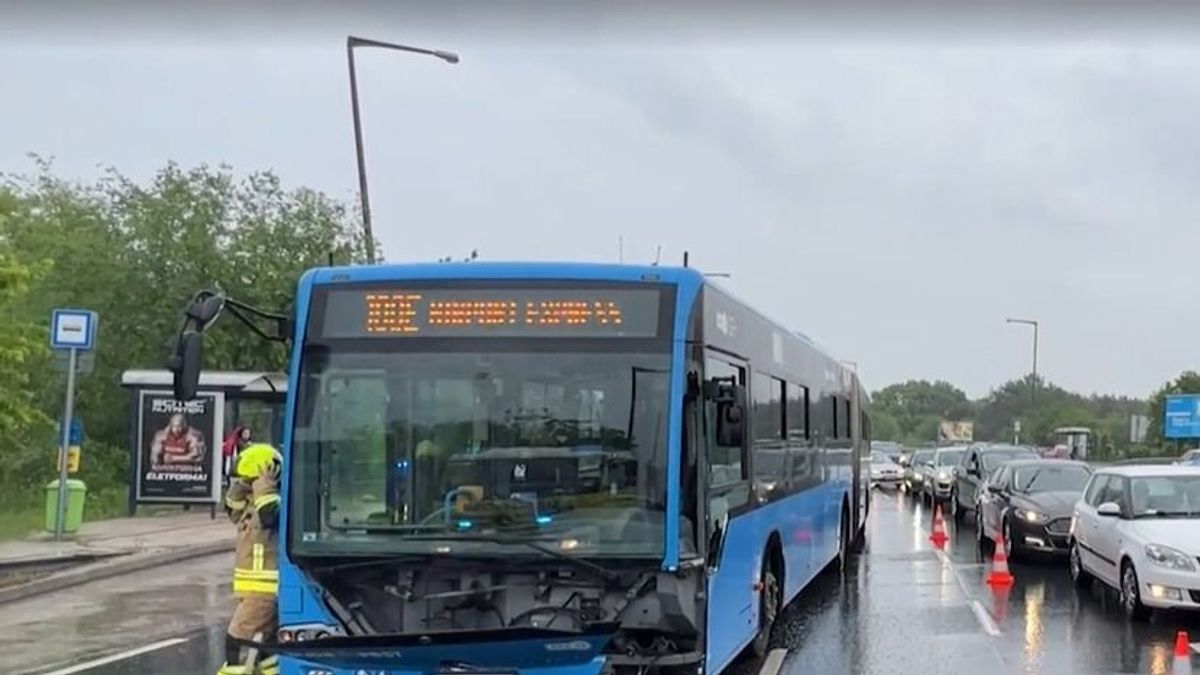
81, 556
107, 569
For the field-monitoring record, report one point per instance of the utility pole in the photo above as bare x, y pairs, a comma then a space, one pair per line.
351, 43
1033, 382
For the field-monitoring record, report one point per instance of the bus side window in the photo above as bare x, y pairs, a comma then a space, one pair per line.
798, 444
727, 466
770, 454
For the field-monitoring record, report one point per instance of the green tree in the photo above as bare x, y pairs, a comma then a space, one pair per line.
23, 427
1053, 407
884, 427
135, 253
918, 405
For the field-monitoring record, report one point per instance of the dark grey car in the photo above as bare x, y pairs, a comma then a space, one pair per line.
977, 463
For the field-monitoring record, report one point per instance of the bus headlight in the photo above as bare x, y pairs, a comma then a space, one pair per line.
307, 632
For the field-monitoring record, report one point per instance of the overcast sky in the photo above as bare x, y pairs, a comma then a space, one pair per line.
896, 199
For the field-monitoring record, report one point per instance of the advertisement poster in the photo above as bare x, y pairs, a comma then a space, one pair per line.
179, 447
960, 432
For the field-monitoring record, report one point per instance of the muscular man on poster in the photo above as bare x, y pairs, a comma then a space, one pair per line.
176, 444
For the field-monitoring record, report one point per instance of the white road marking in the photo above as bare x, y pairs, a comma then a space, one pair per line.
773, 663
88, 665
986, 622
985, 619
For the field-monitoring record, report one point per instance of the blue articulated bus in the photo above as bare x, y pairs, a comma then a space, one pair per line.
534, 468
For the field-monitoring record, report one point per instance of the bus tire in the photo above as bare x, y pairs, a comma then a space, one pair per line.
854, 539
769, 603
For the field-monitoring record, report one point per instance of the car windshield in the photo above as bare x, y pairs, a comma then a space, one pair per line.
390, 446
947, 457
1034, 479
994, 458
922, 457
1166, 496
880, 458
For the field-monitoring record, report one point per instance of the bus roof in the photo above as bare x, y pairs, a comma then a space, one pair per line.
575, 271
507, 270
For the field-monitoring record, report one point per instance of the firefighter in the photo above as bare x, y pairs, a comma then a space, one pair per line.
252, 502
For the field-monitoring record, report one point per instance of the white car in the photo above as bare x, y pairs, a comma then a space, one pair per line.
1137, 529
1189, 458
885, 472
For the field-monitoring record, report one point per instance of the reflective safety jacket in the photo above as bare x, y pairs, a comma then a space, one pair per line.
254, 508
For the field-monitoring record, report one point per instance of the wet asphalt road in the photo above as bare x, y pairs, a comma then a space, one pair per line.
62, 630
901, 608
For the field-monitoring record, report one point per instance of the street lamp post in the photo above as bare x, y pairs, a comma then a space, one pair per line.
351, 43
1033, 384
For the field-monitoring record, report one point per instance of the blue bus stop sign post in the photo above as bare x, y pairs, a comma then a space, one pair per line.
73, 331
1181, 416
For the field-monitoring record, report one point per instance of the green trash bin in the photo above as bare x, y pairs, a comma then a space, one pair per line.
76, 493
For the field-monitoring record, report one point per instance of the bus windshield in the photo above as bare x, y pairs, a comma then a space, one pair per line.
394, 449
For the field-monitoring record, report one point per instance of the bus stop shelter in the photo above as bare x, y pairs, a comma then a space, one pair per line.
176, 446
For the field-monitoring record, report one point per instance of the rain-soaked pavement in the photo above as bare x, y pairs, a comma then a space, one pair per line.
901, 608
57, 632
905, 609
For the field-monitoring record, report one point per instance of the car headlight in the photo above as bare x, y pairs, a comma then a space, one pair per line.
944, 476
1030, 516
1169, 557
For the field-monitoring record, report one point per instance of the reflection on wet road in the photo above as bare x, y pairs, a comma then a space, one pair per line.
901, 608
904, 609
75, 625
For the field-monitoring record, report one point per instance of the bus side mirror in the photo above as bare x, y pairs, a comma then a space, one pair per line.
730, 398
730, 425
184, 365
205, 310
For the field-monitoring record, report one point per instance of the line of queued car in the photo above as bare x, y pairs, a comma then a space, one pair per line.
1134, 527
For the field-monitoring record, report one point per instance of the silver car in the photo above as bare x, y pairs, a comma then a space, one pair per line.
885, 472
913, 480
939, 474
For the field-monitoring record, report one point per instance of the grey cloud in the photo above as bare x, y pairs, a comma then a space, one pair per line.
896, 202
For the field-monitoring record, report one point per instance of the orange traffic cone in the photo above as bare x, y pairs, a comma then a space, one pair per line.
1000, 596
1000, 575
1183, 655
939, 528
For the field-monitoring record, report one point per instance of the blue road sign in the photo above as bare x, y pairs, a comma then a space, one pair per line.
72, 329
75, 436
1181, 416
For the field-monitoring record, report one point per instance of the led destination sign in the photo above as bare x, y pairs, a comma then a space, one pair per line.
462, 312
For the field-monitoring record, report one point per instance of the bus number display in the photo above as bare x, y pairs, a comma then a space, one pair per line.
478, 313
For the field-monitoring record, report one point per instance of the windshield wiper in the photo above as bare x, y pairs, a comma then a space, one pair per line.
586, 565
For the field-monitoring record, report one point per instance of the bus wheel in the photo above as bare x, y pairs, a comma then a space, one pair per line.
845, 541
856, 539
768, 607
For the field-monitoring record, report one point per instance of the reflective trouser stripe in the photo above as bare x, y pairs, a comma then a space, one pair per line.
257, 564
235, 504
256, 575
253, 586
269, 665
264, 500
235, 669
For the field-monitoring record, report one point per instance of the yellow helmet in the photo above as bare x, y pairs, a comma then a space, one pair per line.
255, 459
